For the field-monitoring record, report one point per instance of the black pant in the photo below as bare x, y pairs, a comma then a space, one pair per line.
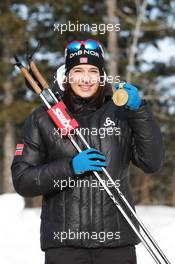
71, 255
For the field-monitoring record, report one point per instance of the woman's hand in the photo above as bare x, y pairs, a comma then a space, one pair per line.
88, 160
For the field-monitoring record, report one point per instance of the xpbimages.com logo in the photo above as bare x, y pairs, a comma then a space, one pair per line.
72, 235
84, 183
102, 79
93, 28
102, 132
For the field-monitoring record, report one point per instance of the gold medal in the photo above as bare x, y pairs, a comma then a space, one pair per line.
120, 97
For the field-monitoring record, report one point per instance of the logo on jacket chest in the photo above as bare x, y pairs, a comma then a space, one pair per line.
108, 122
110, 127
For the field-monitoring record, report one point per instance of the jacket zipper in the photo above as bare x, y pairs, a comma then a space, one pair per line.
91, 201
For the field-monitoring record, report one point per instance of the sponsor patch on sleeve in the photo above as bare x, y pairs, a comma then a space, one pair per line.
19, 149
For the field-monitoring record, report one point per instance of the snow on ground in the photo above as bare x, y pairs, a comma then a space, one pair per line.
19, 231
160, 221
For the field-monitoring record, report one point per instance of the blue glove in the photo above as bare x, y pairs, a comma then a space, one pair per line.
88, 160
134, 99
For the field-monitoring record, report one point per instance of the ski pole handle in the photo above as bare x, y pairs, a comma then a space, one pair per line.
43, 82
27, 76
38, 75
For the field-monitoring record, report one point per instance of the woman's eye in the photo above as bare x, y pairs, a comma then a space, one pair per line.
94, 71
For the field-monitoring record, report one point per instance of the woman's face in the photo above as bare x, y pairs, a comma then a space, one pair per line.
84, 80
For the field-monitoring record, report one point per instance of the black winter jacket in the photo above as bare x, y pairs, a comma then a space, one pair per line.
77, 213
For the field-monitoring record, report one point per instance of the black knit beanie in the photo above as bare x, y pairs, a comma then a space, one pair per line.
84, 56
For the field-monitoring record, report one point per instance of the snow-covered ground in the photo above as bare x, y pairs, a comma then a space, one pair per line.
19, 231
